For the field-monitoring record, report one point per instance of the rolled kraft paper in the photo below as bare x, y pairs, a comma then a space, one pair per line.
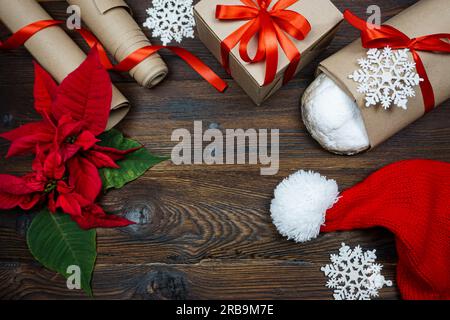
111, 22
424, 18
53, 48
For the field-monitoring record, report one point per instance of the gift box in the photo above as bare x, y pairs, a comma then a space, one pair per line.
423, 29
302, 29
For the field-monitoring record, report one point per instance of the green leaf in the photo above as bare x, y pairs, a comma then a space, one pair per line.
132, 167
58, 242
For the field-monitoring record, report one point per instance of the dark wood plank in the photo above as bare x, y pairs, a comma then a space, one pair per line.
229, 279
205, 231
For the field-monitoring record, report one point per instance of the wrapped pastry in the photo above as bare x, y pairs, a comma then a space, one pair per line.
53, 48
112, 24
346, 115
333, 118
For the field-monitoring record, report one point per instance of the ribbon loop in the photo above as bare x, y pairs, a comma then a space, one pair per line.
373, 36
294, 24
271, 27
131, 61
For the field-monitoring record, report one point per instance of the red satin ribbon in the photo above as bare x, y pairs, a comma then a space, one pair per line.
131, 61
271, 27
22, 35
373, 36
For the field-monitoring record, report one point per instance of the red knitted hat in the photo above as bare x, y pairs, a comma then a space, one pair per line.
410, 198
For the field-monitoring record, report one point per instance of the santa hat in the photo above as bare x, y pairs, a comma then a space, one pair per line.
410, 198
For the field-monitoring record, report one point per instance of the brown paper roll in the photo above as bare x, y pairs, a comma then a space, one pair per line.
424, 18
111, 22
53, 48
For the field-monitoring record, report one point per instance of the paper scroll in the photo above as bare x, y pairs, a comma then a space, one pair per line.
113, 25
53, 48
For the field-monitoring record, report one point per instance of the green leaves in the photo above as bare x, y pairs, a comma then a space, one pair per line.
57, 242
132, 167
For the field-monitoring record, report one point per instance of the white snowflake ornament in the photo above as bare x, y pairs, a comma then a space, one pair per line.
353, 274
171, 20
387, 77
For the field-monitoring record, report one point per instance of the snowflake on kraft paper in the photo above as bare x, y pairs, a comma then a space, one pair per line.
171, 20
387, 77
353, 274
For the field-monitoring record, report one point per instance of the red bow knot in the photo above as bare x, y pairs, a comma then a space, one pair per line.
271, 26
373, 36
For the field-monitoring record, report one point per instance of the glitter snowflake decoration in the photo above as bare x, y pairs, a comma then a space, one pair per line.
171, 20
353, 274
386, 77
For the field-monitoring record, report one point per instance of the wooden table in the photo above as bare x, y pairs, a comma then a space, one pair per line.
204, 232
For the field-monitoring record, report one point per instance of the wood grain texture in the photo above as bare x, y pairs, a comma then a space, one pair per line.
204, 232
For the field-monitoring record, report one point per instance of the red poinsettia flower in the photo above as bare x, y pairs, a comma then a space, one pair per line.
36, 187
65, 171
74, 192
74, 114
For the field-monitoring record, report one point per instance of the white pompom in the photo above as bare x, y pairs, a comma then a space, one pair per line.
300, 204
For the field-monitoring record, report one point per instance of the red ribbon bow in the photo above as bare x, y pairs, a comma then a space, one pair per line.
131, 61
373, 36
271, 26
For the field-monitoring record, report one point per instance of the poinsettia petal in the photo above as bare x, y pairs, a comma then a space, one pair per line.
35, 182
18, 192
107, 221
113, 153
63, 187
93, 216
51, 203
54, 166
38, 162
45, 89
25, 138
17, 185
84, 178
69, 204
31, 201
86, 140
68, 127
25, 130
101, 160
27, 145
10, 201
68, 151
86, 94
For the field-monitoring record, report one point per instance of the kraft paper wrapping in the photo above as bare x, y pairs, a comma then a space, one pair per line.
424, 18
111, 22
53, 48
323, 16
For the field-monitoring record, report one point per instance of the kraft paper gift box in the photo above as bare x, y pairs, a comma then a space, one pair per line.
322, 15
425, 17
